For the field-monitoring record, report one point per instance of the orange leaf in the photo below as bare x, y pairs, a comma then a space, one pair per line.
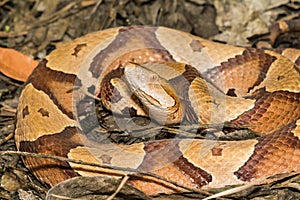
15, 64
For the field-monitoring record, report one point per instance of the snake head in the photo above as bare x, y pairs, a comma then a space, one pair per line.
155, 93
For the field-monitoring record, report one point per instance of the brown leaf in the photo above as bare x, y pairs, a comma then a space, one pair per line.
15, 64
98, 187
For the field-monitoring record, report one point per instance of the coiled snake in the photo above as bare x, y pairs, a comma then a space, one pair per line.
170, 76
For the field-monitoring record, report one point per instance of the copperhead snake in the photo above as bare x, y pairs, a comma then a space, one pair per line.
176, 77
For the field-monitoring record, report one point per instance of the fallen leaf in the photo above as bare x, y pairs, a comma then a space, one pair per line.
97, 187
15, 64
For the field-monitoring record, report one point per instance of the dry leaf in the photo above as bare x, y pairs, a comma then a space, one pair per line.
97, 187
15, 64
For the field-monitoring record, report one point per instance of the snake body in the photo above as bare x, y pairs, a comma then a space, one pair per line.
201, 82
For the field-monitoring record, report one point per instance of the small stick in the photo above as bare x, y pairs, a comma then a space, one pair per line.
121, 185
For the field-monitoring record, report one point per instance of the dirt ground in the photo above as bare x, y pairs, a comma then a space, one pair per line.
36, 27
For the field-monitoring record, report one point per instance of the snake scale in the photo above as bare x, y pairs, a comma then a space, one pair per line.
170, 76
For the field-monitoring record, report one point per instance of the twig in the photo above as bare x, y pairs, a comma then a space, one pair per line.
11, 135
4, 2
57, 15
121, 185
236, 189
122, 171
12, 34
63, 197
8, 80
94, 9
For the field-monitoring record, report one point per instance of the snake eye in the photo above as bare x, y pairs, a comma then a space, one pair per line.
153, 78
